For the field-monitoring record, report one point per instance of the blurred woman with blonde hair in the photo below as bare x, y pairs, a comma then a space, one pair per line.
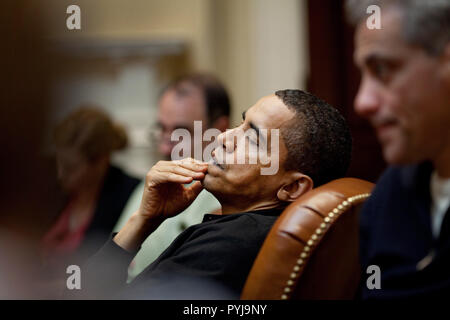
96, 190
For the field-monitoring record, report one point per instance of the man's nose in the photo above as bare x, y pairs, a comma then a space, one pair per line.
367, 100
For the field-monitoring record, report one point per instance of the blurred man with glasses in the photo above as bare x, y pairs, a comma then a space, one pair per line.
188, 99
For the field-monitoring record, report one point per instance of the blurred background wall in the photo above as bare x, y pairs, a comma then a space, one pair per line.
126, 51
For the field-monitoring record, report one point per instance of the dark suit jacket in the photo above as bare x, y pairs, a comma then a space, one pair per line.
396, 235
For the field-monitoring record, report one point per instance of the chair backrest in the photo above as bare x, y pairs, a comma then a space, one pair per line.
311, 252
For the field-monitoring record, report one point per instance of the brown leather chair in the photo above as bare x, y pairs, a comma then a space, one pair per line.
311, 251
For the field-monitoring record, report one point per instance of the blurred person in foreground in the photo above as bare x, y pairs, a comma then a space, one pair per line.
405, 94
29, 196
309, 143
193, 97
96, 190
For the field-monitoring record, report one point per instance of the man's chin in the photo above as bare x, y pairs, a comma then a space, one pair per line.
391, 154
209, 186
398, 156
207, 182
212, 184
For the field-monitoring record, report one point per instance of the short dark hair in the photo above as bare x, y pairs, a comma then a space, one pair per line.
217, 100
425, 23
317, 138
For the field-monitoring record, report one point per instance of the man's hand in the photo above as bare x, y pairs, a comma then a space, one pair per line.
164, 197
164, 194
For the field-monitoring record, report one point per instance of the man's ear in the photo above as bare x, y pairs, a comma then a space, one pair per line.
298, 185
222, 123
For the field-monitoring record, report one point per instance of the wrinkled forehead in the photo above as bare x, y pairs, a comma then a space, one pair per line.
269, 113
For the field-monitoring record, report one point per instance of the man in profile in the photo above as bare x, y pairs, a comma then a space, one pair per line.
196, 98
405, 94
313, 146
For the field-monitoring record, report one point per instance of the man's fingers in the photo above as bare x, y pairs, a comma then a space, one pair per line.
192, 164
192, 160
180, 171
194, 189
156, 177
187, 172
173, 177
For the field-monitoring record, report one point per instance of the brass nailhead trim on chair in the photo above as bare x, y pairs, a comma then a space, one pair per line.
317, 236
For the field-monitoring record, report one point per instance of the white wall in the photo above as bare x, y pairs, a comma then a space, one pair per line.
261, 46
127, 91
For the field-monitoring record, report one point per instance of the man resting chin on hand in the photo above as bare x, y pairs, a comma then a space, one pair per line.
306, 140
